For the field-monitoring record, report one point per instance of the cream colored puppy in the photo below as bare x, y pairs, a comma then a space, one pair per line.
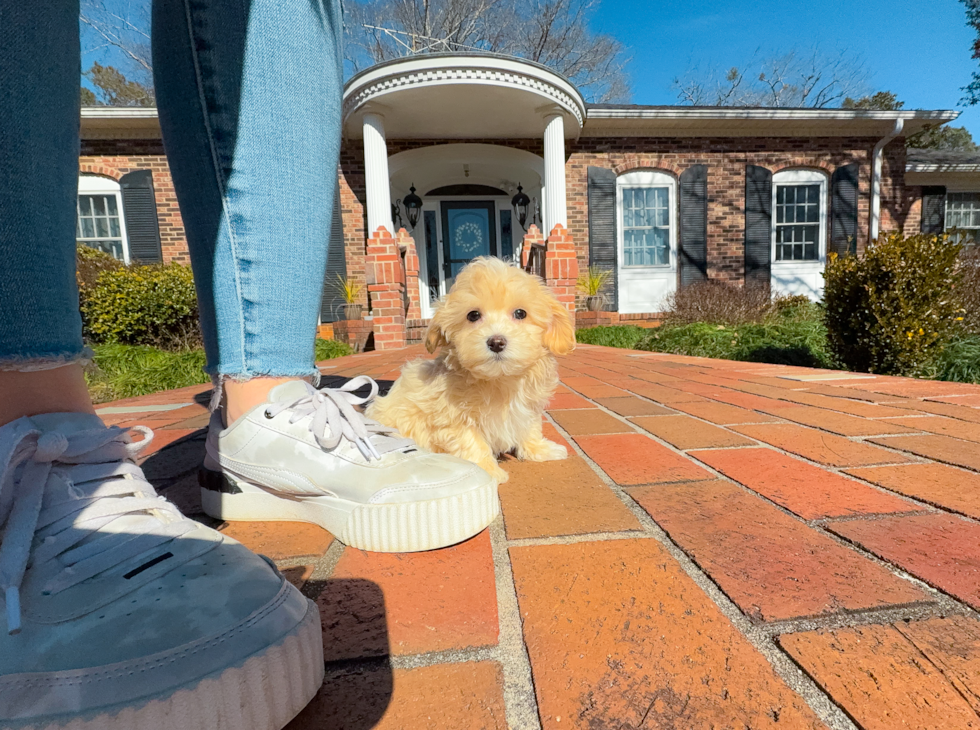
499, 329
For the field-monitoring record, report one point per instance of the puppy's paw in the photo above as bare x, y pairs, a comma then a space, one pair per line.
491, 467
543, 450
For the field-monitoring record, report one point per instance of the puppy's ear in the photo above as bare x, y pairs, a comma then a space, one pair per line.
560, 335
434, 337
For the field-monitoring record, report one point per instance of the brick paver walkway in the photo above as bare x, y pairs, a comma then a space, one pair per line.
729, 545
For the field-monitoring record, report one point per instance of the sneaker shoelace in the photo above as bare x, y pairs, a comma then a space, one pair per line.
58, 490
334, 418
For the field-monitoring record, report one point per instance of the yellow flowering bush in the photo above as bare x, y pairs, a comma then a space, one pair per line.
143, 305
894, 309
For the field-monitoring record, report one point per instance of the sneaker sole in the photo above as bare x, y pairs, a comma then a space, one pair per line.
264, 693
382, 528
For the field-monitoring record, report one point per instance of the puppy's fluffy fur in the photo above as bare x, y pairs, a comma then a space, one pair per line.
473, 402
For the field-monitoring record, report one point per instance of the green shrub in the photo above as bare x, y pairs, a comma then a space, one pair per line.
123, 371
970, 289
894, 309
329, 349
143, 305
89, 263
625, 336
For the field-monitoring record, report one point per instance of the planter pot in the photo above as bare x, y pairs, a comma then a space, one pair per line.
594, 304
353, 311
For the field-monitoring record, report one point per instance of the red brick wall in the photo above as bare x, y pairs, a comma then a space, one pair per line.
726, 159
114, 158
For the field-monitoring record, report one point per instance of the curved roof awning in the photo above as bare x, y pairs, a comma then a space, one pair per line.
461, 96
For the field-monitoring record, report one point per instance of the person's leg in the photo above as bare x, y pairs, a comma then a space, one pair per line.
40, 327
115, 610
249, 96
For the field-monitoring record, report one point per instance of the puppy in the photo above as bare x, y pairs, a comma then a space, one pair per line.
499, 329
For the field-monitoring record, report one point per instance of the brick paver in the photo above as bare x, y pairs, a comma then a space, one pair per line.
773, 566
628, 565
434, 601
938, 448
685, 432
885, 681
632, 459
807, 490
820, 446
619, 636
944, 486
941, 549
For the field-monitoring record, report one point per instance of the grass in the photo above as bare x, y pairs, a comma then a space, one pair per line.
625, 336
959, 361
125, 371
794, 335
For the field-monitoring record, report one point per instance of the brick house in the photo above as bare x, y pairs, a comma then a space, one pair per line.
660, 196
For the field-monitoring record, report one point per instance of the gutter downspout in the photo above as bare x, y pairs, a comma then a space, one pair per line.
877, 157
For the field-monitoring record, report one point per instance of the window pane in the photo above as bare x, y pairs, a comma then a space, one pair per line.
646, 226
102, 227
114, 227
88, 228
84, 205
98, 204
963, 212
506, 236
111, 205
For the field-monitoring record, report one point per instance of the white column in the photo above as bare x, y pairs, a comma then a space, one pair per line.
554, 173
376, 174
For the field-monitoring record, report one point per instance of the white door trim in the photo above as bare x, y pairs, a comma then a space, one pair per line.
799, 277
643, 289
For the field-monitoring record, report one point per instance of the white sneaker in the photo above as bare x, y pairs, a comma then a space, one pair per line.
122, 613
307, 455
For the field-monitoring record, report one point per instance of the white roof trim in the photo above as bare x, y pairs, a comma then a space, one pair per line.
941, 116
119, 112
917, 167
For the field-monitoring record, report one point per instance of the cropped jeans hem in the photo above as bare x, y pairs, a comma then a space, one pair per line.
28, 364
218, 380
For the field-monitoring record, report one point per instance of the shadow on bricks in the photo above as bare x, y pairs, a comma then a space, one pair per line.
356, 693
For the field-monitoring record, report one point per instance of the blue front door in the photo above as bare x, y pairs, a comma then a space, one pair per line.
469, 230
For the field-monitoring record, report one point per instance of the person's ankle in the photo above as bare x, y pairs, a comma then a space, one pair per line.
241, 396
32, 393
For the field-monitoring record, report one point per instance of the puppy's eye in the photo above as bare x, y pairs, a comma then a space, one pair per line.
473, 316
519, 314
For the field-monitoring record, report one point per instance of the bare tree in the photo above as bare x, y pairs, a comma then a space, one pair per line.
554, 33
811, 79
128, 33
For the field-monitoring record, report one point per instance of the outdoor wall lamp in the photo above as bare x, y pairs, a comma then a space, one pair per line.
521, 204
413, 207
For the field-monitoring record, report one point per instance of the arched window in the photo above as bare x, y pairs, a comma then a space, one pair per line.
101, 223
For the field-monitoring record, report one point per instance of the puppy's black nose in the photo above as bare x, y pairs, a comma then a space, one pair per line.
497, 343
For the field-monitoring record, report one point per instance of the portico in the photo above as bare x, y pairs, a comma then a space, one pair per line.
471, 132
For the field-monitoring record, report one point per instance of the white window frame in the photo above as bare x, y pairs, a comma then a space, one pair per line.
647, 179
96, 185
801, 177
947, 227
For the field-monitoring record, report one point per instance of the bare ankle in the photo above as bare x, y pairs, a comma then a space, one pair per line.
58, 390
241, 396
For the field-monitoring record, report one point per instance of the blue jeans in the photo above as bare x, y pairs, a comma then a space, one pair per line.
249, 100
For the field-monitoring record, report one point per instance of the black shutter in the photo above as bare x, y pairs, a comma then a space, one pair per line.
844, 210
933, 209
603, 246
140, 211
694, 225
758, 225
332, 302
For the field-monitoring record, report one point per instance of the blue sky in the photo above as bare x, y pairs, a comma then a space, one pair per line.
918, 49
